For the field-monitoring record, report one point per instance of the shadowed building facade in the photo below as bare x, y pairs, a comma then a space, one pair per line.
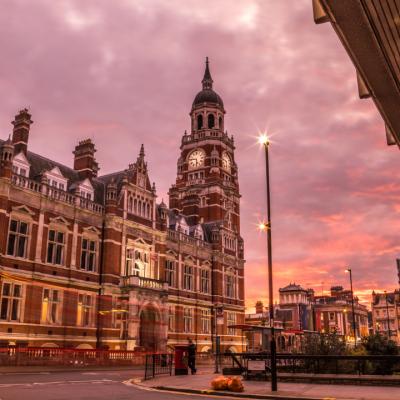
94, 261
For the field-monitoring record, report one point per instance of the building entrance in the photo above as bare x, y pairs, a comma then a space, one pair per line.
149, 329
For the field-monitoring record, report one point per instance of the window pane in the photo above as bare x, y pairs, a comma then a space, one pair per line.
83, 260
52, 235
14, 309
21, 246
50, 253
84, 244
6, 289
11, 244
60, 237
13, 225
59, 254
46, 294
92, 245
91, 261
55, 295
17, 290
4, 308
53, 316
23, 228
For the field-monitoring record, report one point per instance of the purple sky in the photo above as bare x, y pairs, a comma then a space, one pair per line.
125, 72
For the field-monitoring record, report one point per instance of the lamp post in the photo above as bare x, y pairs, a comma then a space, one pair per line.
387, 314
264, 140
352, 306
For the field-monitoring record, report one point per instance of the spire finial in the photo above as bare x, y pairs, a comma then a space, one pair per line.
141, 154
207, 80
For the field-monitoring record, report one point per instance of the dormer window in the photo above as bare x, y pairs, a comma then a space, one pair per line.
56, 179
21, 165
86, 190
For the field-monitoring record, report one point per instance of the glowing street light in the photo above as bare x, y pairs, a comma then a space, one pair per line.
266, 226
263, 226
264, 139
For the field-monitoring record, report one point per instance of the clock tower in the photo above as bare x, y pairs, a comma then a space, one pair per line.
207, 189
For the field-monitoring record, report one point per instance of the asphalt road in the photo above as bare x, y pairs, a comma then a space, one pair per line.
78, 385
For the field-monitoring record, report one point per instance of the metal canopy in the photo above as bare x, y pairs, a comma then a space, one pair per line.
370, 32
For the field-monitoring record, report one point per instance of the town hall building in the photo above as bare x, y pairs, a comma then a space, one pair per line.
94, 261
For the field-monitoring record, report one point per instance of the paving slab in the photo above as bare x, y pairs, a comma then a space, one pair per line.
201, 384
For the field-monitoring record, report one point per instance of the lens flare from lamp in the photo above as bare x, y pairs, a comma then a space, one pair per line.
263, 139
262, 226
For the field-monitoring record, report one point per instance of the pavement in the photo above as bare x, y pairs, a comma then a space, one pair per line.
200, 384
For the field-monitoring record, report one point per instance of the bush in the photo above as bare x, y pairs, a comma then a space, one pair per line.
377, 344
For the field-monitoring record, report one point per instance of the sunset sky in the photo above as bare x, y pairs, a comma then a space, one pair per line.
125, 72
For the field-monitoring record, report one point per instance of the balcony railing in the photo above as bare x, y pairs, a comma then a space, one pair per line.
56, 194
181, 237
143, 282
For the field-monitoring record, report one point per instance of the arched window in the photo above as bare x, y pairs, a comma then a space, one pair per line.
135, 206
220, 123
199, 122
148, 211
139, 208
211, 121
130, 204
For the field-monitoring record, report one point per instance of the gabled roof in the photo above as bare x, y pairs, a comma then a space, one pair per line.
40, 164
291, 288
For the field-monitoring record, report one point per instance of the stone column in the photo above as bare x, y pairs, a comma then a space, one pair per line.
74, 244
39, 239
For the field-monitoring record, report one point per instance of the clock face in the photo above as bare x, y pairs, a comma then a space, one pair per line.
196, 159
226, 162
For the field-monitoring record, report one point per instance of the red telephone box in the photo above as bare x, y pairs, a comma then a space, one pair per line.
181, 360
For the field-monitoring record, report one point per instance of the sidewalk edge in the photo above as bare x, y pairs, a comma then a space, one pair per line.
238, 395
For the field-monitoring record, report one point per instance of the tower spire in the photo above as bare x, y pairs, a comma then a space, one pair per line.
207, 80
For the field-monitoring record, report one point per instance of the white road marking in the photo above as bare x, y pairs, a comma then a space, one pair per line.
4, 385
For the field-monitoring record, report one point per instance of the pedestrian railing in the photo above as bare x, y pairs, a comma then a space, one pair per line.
315, 364
158, 364
42, 356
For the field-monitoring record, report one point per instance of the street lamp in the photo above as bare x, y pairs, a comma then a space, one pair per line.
348, 270
387, 314
264, 140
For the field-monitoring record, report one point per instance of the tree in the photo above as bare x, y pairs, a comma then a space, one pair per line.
377, 344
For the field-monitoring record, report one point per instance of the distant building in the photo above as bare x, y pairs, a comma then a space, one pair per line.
295, 308
386, 314
292, 316
333, 313
300, 312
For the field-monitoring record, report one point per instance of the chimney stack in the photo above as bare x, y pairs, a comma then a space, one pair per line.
259, 307
84, 160
22, 123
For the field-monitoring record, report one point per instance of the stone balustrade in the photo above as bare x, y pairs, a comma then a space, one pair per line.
54, 193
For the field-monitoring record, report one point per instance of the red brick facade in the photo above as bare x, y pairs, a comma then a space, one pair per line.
93, 261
